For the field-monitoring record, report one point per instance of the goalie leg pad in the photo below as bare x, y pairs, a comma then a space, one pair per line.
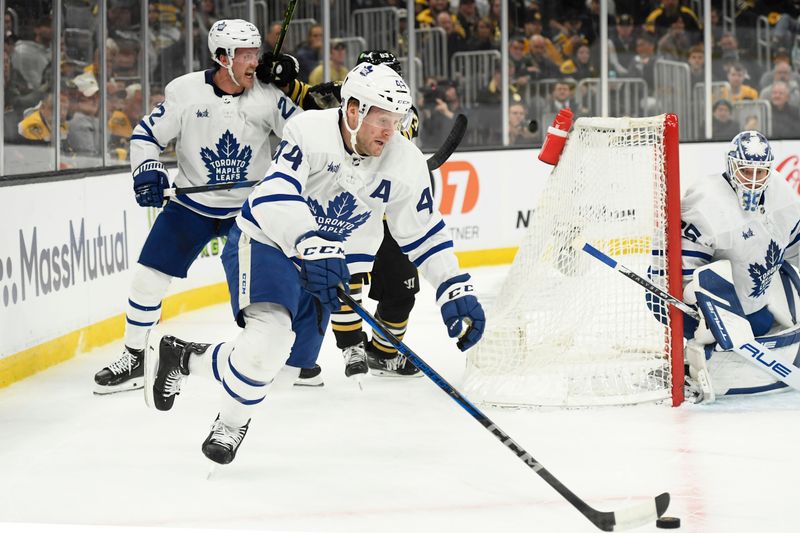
721, 308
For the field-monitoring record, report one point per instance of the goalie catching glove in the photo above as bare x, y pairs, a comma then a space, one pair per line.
149, 182
456, 297
323, 267
281, 70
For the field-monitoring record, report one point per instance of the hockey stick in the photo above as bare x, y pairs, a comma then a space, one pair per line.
604, 520
287, 19
450, 143
434, 162
774, 363
175, 191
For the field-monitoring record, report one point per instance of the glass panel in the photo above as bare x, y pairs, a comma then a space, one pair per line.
125, 74
80, 90
29, 92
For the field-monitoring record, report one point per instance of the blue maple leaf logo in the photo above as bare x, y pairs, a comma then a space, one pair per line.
762, 274
229, 163
339, 216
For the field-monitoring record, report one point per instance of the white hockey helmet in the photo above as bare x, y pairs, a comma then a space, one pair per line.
230, 34
749, 161
376, 86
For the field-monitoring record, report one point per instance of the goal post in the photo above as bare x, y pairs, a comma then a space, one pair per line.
564, 331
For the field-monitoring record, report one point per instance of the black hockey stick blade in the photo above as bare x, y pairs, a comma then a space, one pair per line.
175, 191
634, 516
450, 143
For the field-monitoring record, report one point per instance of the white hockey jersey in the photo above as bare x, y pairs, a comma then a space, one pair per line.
314, 183
220, 137
714, 227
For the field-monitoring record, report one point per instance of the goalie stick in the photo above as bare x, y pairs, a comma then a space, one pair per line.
435, 161
604, 520
771, 362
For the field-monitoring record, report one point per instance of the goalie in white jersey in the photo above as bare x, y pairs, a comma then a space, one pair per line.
316, 219
752, 219
221, 119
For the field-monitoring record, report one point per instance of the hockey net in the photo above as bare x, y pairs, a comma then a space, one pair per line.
565, 329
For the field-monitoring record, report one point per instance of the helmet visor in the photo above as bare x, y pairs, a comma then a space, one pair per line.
387, 120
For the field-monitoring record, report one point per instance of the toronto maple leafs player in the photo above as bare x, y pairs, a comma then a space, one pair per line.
315, 219
221, 119
752, 219
394, 280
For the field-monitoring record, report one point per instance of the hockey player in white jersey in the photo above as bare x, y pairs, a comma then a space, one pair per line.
221, 119
316, 219
752, 219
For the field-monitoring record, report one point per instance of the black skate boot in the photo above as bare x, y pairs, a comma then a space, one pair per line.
384, 364
221, 444
310, 377
355, 358
126, 373
166, 364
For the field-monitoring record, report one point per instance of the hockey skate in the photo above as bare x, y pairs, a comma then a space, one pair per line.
166, 363
355, 361
390, 365
310, 377
126, 373
222, 442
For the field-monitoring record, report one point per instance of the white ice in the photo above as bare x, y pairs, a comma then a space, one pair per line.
399, 457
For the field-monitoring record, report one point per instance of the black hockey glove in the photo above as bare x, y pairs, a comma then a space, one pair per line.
281, 70
323, 96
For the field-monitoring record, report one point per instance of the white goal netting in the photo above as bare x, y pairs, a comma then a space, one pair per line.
566, 329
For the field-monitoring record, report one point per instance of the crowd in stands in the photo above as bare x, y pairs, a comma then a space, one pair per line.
553, 48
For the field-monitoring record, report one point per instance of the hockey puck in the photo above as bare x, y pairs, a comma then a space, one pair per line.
668, 522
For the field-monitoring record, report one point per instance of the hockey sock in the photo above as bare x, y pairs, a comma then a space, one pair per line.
258, 355
144, 304
394, 315
212, 362
345, 322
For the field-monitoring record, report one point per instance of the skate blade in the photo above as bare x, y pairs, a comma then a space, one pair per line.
211, 471
134, 384
151, 356
359, 379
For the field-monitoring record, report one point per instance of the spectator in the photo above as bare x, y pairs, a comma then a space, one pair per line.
785, 117
455, 41
125, 64
467, 17
445, 104
121, 25
205, 15
581, 67
309, 53
560, 97
427, 17
518, 125
623, 43
723, 126
570, 36
84, 134
533, 27
524, 66
38, 123
10, 27
697, 66
592, 25
544, 67
676, 42
31, 57
491, 96
272, 36
643, 63
738, 90
338, 70
725, 54
483, 38
782, 72
660, 20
